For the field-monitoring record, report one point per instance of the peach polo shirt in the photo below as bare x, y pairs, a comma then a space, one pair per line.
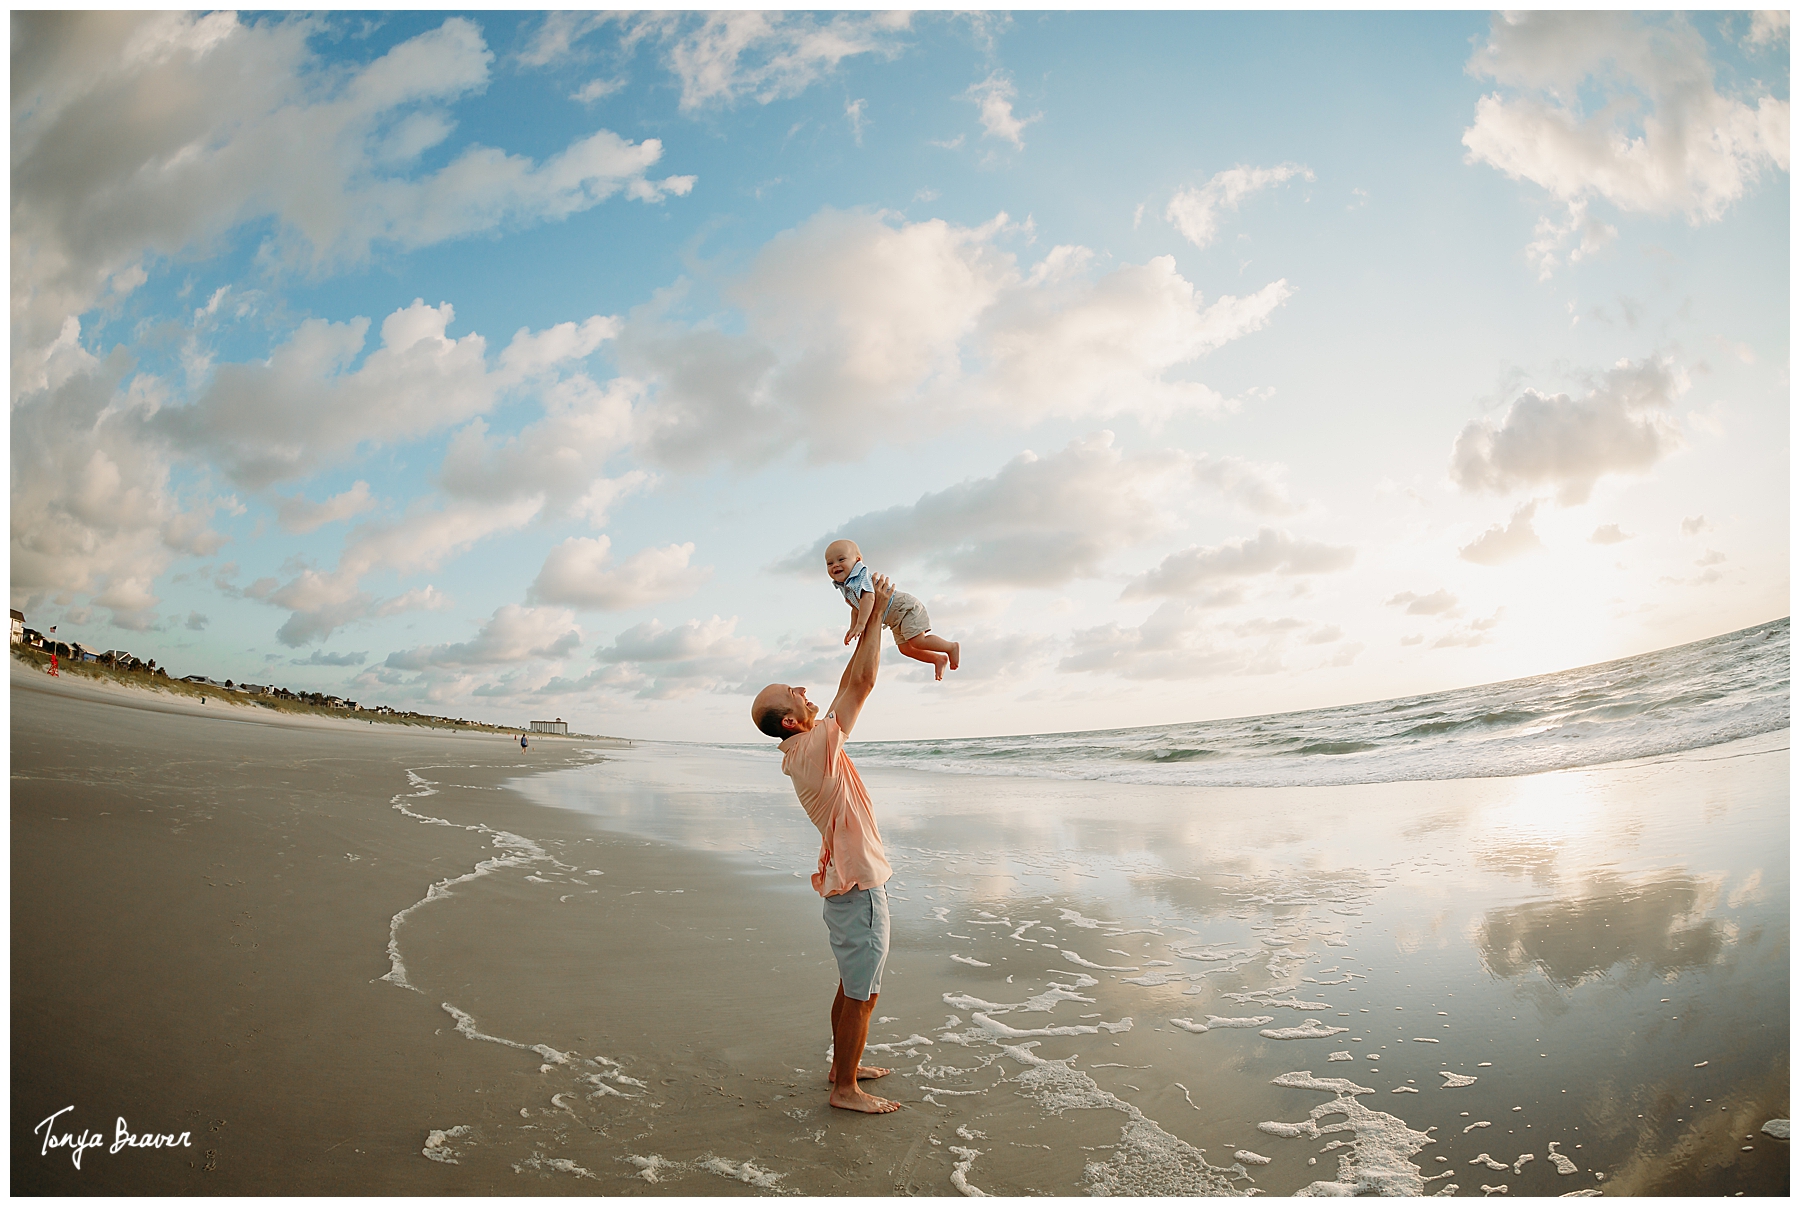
833, 795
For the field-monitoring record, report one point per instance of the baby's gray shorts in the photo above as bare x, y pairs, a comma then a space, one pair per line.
906, 617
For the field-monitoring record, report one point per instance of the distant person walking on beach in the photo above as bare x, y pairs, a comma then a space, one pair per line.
906, 616
852, 867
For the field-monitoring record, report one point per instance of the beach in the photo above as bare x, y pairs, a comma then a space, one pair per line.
350, 959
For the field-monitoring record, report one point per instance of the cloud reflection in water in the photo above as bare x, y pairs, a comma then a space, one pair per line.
1657, 925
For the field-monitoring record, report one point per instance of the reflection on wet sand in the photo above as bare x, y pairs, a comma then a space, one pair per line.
1658, 925
1067, 953
1706, 1141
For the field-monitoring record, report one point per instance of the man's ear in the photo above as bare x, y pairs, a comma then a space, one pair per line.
789, 723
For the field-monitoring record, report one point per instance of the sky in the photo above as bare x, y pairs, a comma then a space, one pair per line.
1186, 365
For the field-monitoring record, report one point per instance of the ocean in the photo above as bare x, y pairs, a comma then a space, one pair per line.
1684, 698
1524, 938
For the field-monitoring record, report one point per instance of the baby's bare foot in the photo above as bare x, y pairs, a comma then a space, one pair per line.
955, 654
937, 665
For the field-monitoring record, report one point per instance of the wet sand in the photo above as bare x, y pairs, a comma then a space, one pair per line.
201, 926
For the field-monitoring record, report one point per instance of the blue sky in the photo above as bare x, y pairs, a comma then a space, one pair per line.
1185, 364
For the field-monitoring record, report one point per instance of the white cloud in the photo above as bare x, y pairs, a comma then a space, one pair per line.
1694, 525
320, 602
1476, 632
94, 514
766, 55
1554, 231
302, 408
921, 323
867, 308
93, 511
1107, 347
710, 400
993, 659
1620, 107
1609, 534
1038, 522
1504, 542
855, 112
597, 90
321, 658
651, 641
1569, 443
1257, 488
994, 97
1768, 27
301, 515
511, 635
1270, 551
1712, 558
559, 458
1196, 212
1171, 644
146, 134
420, 599
1439, 603
534, 354
1263, 626
580, 572
554, 41
653, 661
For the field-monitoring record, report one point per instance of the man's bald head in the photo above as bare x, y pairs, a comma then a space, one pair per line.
782, 711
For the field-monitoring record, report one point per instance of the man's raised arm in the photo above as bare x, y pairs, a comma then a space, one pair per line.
859, 675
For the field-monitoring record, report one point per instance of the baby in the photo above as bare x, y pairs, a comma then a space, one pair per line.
905, 614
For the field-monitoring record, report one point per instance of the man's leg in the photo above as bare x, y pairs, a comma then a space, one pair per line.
849, 1032
863, 1072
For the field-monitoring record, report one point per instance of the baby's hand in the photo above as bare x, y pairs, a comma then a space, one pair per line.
852, 633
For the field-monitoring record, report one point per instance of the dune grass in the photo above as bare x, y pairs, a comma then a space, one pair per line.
151, 681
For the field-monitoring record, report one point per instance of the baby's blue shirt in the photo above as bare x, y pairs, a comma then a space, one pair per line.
860, 581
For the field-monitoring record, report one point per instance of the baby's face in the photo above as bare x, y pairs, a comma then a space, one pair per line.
840, 558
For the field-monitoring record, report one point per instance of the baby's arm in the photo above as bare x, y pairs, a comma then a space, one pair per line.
863, 609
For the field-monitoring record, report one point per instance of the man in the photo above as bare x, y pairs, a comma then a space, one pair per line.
852, 866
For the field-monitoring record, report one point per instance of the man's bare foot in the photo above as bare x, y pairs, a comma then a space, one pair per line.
856, 1100
955, 654
937, 664
863, 1073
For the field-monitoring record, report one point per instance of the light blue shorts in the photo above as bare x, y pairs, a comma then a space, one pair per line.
858, 922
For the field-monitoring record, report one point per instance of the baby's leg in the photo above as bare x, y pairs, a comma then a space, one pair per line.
912, 649
931, 641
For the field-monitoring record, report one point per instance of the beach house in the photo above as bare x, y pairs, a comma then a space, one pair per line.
557, 726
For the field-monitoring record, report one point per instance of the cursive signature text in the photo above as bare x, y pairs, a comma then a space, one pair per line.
79, 1142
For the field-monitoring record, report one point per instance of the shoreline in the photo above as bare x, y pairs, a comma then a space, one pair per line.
101, 684
200, 907
200, 944
604, 1009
